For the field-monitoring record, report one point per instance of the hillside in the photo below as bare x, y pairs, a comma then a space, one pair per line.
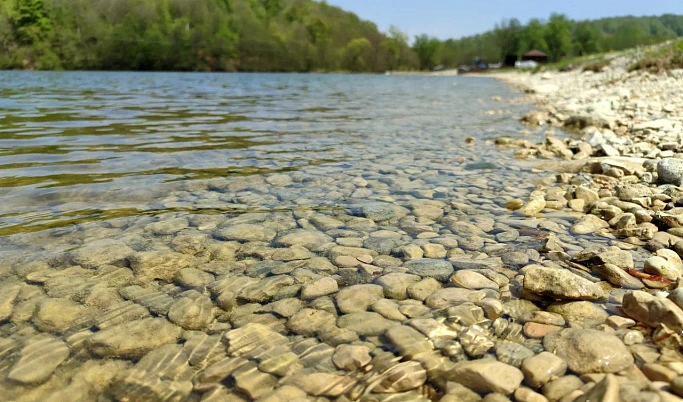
558, 36
193, 35
277, 35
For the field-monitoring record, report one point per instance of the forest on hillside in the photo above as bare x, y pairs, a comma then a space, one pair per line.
558, 37
278, 36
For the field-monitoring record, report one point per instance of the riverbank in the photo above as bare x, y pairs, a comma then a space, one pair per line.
620, 166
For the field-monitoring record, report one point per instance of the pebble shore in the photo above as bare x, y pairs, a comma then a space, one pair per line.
439, 279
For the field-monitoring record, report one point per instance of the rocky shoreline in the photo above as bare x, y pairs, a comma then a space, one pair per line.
438, 279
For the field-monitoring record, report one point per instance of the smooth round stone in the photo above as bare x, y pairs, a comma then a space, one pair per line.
589, 351
486, 376
396, 285
660, 267
440, 270
584, 313
365, 323
321, 287
670, 171
515, 259
472, 280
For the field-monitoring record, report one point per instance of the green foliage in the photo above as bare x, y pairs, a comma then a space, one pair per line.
427, 49
191, 35
560, 38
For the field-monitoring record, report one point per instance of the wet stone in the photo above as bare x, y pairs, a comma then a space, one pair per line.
542, 368
472, 280
395, 285
192, 314
319, 288
430, 268
485, 376
39, 359
310, 322
358, 298
560, 284
245, 233
132, 339
365, 323
589, 351
350, 358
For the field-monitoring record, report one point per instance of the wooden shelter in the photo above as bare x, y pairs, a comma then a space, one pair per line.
535, 55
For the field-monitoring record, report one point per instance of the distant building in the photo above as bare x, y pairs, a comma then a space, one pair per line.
535, 55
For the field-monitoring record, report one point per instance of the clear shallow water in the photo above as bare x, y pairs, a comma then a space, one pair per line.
203, 208
79, 147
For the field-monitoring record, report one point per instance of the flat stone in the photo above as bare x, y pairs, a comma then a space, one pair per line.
321, 287
322, 384
588, 224
395, 285
422, 289
57, 315
102, 252
606, 390
618, 277
453, 296
440, 270
365, 323
246, 233
584, 313
486, 376
589, 351
310, 322
650, 310
302, 237
358, 298
39, 359
472, 280
133, 339
192, 314
159, 264
350, 357
8, 295
542, 368
560, 284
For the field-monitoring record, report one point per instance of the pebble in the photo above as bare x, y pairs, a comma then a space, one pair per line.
131, 339
485, 376
321, 287
560, 284
589, 351
472, 280
358, 298
543, 368
39, 359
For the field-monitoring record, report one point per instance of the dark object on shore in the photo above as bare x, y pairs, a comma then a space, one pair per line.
535, 55
510, 60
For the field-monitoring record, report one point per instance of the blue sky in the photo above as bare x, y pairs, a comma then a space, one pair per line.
456, 18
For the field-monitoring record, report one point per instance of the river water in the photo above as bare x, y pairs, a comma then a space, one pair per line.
112, 184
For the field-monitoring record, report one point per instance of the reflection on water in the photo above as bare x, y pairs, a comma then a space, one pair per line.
74, 143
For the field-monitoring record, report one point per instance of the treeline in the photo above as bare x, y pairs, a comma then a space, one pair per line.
195, 35
277, 35
558, 37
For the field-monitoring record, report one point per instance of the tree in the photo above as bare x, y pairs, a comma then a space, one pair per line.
508, 37
31, 22
533, 37
558, 36
586, 38
427, 49
356, 54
